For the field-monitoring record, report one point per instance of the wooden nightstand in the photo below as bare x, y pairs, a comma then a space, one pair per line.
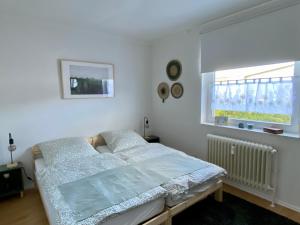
11, 180
152, 139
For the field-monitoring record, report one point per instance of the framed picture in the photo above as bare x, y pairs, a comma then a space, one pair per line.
87, 79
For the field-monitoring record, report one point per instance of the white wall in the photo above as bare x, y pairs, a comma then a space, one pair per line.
30, 97
177, 122
32, 108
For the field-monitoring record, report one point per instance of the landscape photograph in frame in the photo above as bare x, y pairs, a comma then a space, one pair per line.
87, 79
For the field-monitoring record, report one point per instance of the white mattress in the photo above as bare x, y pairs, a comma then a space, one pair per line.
131, 217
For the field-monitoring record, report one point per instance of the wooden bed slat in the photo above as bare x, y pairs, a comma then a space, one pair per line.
159, 219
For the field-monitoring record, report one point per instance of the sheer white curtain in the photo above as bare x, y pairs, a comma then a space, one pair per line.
270, 96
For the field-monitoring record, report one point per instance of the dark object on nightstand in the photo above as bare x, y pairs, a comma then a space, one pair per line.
11, 180
152, 139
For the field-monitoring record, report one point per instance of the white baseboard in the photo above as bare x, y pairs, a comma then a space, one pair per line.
289, 206
28, 185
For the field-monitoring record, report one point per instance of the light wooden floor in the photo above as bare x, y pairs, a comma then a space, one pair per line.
26, 211
29, 210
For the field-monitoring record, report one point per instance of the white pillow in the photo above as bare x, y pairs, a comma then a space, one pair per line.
57, 151
103, 149
123, 139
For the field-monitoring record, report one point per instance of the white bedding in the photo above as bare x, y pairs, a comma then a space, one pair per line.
191, 192
49, 178
178, 188
131, 217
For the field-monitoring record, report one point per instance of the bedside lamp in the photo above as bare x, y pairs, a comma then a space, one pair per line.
146, 125
12, 147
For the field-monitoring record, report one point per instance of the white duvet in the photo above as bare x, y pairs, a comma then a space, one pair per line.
52, 177
179, 186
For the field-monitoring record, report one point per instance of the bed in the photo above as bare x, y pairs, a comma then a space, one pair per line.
182, 191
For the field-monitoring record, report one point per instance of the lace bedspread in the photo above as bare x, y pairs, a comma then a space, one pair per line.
52, 177
179, 186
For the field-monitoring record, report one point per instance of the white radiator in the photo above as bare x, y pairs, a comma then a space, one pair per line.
246, 163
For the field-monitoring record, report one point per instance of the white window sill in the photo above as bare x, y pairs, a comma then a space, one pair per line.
285, 134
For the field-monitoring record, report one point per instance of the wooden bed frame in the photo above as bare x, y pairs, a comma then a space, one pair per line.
165, 217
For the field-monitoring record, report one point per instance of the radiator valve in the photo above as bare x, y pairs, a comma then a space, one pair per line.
232, 151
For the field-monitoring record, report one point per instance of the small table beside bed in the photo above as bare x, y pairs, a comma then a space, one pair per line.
126, 181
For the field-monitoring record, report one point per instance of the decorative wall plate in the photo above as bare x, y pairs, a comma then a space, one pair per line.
174, 70
177, 90
163, 91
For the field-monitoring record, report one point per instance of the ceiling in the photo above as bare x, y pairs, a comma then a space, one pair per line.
141, 19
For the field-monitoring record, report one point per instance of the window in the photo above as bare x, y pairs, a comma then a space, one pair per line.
261, 95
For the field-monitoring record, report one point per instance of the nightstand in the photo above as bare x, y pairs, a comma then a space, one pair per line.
152, 139
11, 180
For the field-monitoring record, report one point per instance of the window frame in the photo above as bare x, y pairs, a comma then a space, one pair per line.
207, 117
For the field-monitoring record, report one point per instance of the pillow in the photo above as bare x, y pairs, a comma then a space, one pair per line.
59, 150
123, 139
103, 149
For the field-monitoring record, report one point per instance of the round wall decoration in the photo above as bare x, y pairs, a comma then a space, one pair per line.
174, 70
177, 90
163, 91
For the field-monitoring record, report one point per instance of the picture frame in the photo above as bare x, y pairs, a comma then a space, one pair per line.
83, 79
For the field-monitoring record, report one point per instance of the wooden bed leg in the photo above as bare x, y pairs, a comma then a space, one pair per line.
219, 195
168, 222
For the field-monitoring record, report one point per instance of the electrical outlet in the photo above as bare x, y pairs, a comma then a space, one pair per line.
146, 123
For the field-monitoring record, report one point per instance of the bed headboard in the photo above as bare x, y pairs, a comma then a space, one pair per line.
95, 141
